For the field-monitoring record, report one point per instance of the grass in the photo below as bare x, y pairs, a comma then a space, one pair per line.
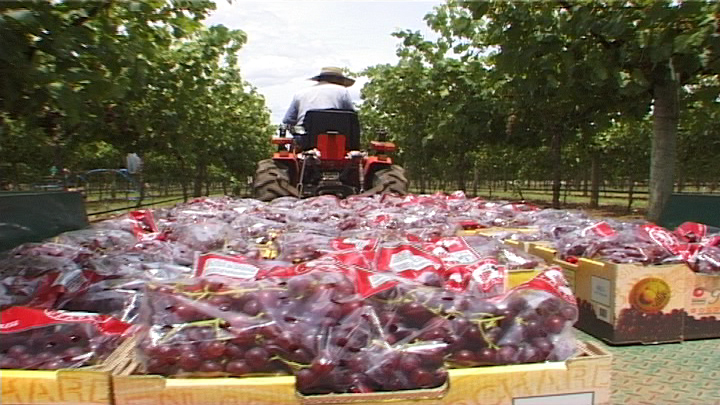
609, 206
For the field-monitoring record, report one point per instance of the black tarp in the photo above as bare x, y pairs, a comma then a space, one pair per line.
683, 207
33, 217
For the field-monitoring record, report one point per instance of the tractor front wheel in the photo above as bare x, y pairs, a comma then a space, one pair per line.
272, 181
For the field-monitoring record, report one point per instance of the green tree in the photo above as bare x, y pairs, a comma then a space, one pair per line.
615, 54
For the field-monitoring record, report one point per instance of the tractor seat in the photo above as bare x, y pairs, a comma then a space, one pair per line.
321, 121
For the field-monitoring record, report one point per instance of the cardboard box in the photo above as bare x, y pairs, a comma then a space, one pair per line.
632, 303
584, 379
55, 387
702, 306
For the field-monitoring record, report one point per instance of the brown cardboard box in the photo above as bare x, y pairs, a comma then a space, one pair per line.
584, 379
702, 306
55, 387
632, 303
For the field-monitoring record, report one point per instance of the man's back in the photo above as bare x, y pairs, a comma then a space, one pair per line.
321, 96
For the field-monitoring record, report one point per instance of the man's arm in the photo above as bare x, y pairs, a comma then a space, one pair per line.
291, 115
346, 102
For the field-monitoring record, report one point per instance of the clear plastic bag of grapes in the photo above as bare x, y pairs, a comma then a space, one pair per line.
530, 323
33, 338
209, 327
96, 239
300, 247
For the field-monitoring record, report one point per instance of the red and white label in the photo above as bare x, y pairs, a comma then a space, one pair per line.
691, 231
406, 260
144, 226
237, 267
454, 251
484, 276
602, 229
662, 237
551, 280
354, 244
18, 319
369, 283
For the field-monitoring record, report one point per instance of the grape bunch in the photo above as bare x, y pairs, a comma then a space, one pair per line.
320, 327
53, 347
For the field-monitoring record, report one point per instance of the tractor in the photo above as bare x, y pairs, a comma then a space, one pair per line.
324, 158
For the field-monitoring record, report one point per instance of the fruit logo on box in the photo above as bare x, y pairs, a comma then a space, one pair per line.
650, 295
702, 296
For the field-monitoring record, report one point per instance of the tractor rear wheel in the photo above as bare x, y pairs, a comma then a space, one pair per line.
272, 181
390, 180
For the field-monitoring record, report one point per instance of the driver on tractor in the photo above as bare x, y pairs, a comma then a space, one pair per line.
330, 92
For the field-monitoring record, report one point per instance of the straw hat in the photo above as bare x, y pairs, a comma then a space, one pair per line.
333, 75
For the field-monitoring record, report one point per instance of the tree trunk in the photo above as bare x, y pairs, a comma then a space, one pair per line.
664, 141
681, 180
461, 172
595, 180
630, 194
556, 157
475, 180
199, 177
141, 185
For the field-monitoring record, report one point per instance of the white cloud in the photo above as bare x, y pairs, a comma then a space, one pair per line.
289, 41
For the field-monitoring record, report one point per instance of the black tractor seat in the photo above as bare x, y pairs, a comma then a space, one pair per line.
328, 121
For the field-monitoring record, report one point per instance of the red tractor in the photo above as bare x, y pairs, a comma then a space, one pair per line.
326, 159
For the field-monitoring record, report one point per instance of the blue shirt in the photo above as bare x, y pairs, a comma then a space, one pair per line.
318, 97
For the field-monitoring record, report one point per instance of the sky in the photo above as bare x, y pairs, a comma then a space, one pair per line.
290, 41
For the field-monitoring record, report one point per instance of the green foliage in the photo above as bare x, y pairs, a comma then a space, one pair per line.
538, 88
82, 83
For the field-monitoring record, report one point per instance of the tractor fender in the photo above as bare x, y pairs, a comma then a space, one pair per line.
373, 164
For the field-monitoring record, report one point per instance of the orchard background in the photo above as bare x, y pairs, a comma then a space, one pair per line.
570, 103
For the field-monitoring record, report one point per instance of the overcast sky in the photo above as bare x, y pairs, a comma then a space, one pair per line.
289, 41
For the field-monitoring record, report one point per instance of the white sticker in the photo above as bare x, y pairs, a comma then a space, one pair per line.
379, 279
359, 244
461, 257
603, 313
406, 260
600, 290
580, 398
227, 268
71, 280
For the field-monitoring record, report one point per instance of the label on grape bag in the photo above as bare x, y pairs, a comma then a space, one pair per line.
144, 226
691, 231
362, 259
237, 267
354, 244
18, 319
711, 241
687, 251
485, 276
453, 251
368, 282
407, 261
601, 229
662, 237
551, 280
